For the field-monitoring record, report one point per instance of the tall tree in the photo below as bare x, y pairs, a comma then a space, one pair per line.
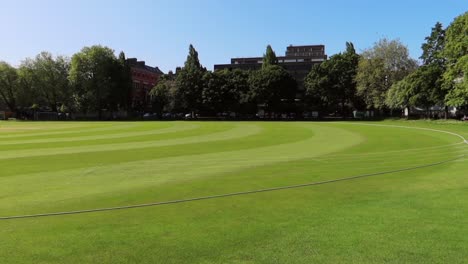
418, 89
120, 97
8, 85
226, 90
163, 95
456, 44
456, 52
331, 86
434, 46
269, 58
93, 76
48, 78
423, 88
190, 83
386, 63
271, 86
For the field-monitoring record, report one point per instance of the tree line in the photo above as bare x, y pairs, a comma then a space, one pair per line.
383, 78
196, 90
93, 80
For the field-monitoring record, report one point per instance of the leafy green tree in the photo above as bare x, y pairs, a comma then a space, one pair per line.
423, 88
48, 78
225, 91
271, 86
189, 82
239, 88
331, 85
269, 58
418, 89
386, 63
9, 85
93, 77
434, 46
163, 95
215, 91
456, 44
456, 53
316, 84
456, 76
120, 97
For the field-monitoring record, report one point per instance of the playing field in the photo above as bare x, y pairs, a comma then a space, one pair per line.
409, 203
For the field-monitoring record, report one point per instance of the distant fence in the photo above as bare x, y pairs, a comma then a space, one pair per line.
105, 115
46, 116
5, 115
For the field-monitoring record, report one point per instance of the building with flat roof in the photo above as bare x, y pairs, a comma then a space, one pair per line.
144, 78
298, 61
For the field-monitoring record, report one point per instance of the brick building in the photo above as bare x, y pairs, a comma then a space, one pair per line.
144, 78
298, 61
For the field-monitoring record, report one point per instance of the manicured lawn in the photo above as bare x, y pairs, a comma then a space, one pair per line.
415, 216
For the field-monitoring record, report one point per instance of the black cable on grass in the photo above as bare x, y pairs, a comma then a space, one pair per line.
229, 194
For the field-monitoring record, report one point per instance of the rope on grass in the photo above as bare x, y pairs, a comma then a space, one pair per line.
231, 194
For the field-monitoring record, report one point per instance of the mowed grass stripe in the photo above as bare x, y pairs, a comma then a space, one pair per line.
225, 132
243, 136
65, 131
149, 130
227, 195
120, 138
125, 176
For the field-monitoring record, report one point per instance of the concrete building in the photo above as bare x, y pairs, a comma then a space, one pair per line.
144, 78
298, 61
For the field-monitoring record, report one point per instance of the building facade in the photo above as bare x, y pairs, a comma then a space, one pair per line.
298, 61
144, 78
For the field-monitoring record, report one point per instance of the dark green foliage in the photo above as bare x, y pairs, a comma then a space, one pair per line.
47, 78
418, 89
93, 75
9, 85
269, 58
434, 46
163, 95
331, 85
272, 86
456, 44
120, 97
190, 83
423, 88
225, 91
456, 52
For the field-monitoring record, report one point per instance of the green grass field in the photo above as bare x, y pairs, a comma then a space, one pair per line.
415, 216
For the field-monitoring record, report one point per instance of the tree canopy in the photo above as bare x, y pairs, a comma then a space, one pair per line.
418, 89
9, 84
331, 85
270, 86
386, 63
382, 77
434, 46
190, 83
94, 75
456, 52
48, 77
269, 58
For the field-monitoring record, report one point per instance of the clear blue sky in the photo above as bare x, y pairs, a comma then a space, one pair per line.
159, 32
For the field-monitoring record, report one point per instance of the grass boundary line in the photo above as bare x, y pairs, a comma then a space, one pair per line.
462, 142
229, 194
